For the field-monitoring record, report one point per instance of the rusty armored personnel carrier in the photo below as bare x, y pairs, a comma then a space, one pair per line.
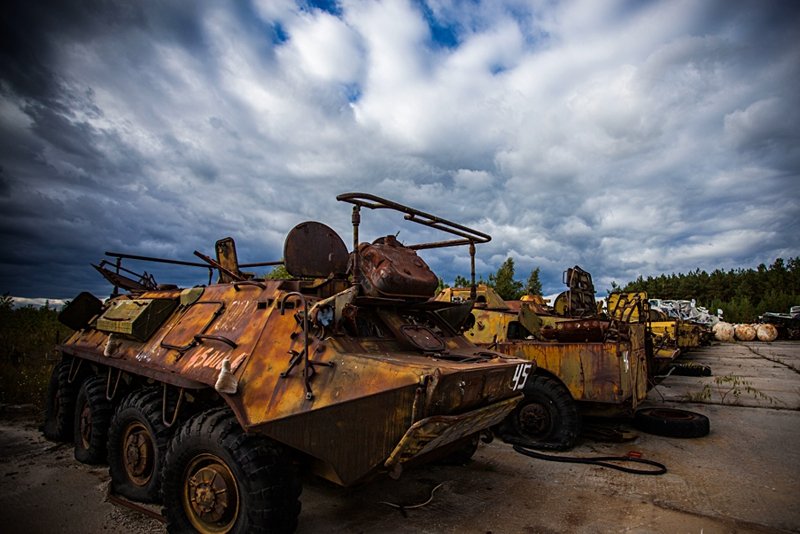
212, 398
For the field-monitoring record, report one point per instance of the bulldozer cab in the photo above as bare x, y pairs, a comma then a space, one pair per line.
577, 301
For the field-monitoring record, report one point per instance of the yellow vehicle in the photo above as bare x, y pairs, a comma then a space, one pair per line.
670, 336
213, 395
584, 366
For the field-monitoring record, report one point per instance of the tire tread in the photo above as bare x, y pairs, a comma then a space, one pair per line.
268, 482
93, 389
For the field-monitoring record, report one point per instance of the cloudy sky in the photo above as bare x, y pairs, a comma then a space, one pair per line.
630, 138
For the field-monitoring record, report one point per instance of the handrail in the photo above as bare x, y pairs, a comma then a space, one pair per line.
200, 337
468, 235
156, 260
249, 283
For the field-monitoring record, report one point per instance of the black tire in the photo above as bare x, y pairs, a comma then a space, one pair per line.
671, 423
211, 453
59, 411
92, 416
137, 443
547, 418
690, 369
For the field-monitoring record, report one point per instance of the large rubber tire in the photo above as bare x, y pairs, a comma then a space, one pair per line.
219, 479
671, 423
547, 418
137, 443
92, 417
59, 410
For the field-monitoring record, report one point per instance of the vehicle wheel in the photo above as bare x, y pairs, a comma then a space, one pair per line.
137, 443
92, 416
671, 423
59, 408
219, 479
547, 417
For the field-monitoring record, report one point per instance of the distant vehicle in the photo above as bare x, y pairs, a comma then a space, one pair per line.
585, 364
788, 324
674, 326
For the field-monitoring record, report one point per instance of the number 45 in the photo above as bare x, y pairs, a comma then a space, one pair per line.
521, 376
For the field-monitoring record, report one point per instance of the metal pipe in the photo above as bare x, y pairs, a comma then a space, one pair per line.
473, 289
157, 260
356, 220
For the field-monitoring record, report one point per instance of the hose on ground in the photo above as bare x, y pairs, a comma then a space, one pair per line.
602, 461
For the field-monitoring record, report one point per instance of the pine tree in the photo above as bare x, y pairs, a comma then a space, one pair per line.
460, 281
503, 281
534, 285
279, 272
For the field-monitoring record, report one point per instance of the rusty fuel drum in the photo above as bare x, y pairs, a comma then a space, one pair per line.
348, 369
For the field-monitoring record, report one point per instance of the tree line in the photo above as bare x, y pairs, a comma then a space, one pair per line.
504, 283
741, 294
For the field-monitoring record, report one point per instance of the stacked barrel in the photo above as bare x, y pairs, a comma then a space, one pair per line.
728, 332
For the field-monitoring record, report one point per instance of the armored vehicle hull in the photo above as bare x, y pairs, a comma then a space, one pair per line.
210, 398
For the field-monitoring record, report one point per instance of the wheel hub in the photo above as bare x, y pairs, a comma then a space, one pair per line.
139, 453
211, 495
534, 419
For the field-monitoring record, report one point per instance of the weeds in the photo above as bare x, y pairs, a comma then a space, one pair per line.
27, 338
729, 387
24, 384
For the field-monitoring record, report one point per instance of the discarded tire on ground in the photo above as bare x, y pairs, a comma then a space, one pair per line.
547, 417
219, 479
671, 422
690, 369
59, 411
137, 443
92, 415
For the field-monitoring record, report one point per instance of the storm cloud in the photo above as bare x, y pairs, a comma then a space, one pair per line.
631, 138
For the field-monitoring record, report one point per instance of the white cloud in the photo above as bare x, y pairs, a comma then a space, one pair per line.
325, 47
473, 180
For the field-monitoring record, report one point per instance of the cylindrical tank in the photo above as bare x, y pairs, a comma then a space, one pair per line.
723, 331
745, 332
766, 332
